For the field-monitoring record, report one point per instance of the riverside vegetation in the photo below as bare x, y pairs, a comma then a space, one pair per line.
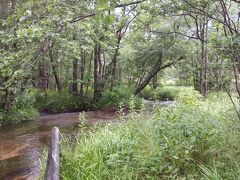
73, 55
198, 138
27, 106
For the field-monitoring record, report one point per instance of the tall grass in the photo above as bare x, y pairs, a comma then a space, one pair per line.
195, 140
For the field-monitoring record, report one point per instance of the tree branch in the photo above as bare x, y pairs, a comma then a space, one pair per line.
175, 32
199, 10
129, 4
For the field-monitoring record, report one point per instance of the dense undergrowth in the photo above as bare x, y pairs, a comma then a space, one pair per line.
23, 109
197, 139
33, 101
54, 102
162, 92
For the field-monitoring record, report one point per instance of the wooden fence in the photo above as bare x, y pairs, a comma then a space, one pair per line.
52, 168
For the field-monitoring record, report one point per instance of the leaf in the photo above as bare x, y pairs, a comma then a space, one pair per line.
109, 19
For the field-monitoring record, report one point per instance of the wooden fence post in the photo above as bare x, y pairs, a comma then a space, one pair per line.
52, 168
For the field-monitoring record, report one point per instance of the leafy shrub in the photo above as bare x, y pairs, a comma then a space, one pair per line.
189, 97
172, 143
109, 99
135, 103
119, 95
61, 102
54, 102
22, 110
168, 92
16, 115
147, 92
162, 93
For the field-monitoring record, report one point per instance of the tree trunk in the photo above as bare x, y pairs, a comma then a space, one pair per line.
153, 73
114, 62
89, 72
54, 69
147, 79
206, 58
82, 73
75, 77
41, 77
97, 83
154, 81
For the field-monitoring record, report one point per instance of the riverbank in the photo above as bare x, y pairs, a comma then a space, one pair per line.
22, 145
198, 138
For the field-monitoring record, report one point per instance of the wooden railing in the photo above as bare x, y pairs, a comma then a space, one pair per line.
52, 168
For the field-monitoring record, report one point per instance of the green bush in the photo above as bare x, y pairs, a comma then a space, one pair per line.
109, 99
119, 96
168, 92
162, 93
179, 142
16, 115
54, 102
189, 96
22, 109
147, 92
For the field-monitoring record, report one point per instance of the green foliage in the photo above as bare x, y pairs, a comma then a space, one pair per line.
82, 119
172, 143
119, 95
21, 110
61, 102
167, 92
135, 103
189, 97
147, 92
163, 93
18, 115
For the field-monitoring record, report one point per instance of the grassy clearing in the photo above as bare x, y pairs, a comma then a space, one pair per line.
197, 139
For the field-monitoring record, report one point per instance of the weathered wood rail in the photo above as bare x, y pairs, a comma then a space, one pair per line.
53, 167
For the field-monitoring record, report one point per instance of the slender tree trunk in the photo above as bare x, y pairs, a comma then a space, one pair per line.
153, 73
154, 81
148, 78
202, 68
41, 77
75, 77
205, 58
89, 72
82, 74
97, 83
54, 69
104, 66
6, 101
114, 61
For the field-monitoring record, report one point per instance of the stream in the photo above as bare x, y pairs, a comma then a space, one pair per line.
22, 145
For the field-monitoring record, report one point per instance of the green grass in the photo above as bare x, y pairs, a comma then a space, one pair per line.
195, 140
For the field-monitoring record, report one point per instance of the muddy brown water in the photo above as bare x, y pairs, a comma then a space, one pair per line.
21, 145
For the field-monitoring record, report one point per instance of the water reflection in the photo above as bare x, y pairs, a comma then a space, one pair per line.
21, 145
